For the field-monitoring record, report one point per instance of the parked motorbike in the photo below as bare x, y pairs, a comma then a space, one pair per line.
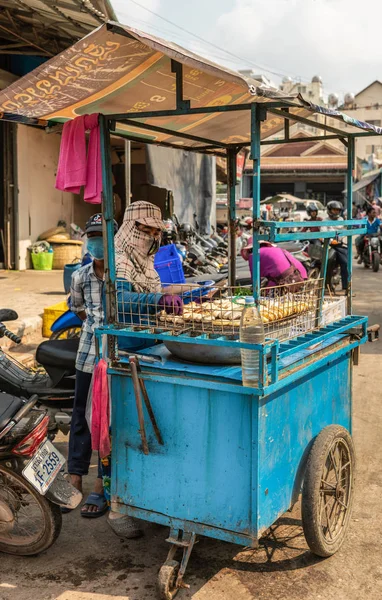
53, 384
333, 271
371, 252
66, 327
32, 486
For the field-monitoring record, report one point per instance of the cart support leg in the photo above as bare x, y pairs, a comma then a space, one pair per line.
258, 114
349, 207
231, 179
108, 222
184, 540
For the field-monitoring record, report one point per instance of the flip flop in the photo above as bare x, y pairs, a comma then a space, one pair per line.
97, 500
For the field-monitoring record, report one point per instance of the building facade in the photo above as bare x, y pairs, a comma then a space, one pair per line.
307, 169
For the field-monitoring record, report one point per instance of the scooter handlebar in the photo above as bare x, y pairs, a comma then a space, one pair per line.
4, 332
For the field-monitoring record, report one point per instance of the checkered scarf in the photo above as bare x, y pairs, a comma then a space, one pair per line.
132, 246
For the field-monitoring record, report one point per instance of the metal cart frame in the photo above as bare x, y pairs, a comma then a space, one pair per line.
326, 352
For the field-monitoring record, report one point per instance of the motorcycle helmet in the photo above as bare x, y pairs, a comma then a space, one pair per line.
169, 234
332, 207
312, 208
186, 230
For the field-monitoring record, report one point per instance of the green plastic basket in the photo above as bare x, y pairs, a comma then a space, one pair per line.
42, 261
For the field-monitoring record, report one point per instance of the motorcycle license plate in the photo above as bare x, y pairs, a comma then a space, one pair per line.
44, 467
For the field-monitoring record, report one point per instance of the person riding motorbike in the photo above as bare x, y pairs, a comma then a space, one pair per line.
312, 212
373, 225
334, 210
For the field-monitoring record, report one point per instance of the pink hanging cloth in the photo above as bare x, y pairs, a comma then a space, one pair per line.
75, 168
101, 410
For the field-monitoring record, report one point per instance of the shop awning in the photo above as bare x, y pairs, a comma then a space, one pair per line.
365, 181
117, 69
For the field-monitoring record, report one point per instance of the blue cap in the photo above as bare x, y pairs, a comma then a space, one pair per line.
249, 300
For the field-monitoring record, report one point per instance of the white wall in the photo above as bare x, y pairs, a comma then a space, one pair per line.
40, 205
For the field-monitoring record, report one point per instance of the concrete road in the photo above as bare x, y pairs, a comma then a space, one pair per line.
89, 563
29, 292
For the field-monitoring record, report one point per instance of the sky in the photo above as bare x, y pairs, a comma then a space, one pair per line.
336, 39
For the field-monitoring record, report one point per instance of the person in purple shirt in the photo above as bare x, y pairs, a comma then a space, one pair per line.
274, 263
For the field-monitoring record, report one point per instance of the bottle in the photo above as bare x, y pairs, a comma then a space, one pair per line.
251, 332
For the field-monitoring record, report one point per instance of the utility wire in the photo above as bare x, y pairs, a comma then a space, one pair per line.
240, 58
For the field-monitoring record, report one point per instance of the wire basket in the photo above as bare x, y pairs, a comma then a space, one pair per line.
287, 310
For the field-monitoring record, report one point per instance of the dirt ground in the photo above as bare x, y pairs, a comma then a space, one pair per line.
29, 292
89, 562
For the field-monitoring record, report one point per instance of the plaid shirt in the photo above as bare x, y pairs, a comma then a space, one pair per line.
86, 295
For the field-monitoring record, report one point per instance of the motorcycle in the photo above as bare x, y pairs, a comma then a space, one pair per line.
53, 383
333, 271
66, 327
32, 486
371, 252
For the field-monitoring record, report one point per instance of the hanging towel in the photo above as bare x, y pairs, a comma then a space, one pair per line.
101, 411
75, 168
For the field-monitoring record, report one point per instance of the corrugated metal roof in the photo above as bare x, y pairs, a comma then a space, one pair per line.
365, 181
305, 167
46, 27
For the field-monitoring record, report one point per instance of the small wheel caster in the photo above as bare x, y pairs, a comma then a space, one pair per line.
166, 582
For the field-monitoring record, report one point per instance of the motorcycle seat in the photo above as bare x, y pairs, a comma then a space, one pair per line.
290, 246
9, 406
60, 354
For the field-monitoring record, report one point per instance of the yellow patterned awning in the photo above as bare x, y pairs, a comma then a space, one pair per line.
117, 69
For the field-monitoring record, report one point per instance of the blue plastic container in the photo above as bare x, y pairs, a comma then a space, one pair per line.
168, 265
68, 272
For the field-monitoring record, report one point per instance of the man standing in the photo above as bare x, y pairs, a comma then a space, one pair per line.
86, 301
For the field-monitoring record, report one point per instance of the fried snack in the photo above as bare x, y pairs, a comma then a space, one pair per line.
225, 322
172, 319
208, 319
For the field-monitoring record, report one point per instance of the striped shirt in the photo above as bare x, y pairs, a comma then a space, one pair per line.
86, 295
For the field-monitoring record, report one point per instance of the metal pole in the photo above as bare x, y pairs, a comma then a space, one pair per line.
108, 222
231, 197
255, 156
349, 206
128, 172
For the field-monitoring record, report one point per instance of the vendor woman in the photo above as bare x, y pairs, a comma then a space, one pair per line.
139, 293
139, 290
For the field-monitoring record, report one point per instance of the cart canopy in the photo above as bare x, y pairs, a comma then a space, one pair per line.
117, 69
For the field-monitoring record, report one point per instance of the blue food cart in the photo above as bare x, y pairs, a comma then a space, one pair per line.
193, 448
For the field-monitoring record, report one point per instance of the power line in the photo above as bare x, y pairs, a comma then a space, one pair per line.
175, 35
244, 60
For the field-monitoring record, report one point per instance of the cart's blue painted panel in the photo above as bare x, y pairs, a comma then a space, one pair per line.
231, 462
203, 471
288, 422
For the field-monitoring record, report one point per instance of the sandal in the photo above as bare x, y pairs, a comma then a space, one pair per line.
97, 500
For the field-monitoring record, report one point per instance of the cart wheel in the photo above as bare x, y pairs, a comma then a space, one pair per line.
327, 494
166, 583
